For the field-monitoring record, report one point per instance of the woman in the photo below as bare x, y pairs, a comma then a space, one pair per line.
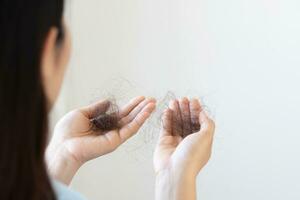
34, 52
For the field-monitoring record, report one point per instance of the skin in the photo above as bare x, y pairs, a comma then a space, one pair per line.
177, 160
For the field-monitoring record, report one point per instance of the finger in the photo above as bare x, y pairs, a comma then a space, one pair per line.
176, 118
94, 109
138, 108
195, 109
131, 105
130, 129
207, 124
167, 123
186, 116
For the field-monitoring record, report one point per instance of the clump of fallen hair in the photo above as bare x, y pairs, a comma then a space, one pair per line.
180, 123
184, 126
102, 122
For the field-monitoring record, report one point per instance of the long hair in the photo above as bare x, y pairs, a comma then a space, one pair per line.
24, 25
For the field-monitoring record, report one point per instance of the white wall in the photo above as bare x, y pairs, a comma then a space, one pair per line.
241, 56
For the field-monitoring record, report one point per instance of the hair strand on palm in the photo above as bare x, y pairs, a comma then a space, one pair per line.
184, 114
108, 120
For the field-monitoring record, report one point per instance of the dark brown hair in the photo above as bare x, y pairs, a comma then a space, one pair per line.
102, 122
23, 116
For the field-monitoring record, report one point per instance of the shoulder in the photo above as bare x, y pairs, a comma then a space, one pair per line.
65, 193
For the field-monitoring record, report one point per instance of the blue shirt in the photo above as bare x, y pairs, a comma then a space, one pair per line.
65, 193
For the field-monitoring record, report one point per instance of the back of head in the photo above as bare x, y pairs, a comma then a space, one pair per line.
23, 105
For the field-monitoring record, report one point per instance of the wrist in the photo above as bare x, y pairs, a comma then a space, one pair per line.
62, 166
175, 175
172, 184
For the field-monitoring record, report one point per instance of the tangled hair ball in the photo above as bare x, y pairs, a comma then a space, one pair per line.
106, 121
184, 125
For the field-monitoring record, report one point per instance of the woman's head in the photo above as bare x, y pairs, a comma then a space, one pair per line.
34, 51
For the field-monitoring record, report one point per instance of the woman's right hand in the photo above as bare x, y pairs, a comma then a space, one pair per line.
178, 159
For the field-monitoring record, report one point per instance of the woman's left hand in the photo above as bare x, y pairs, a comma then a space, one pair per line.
74, 143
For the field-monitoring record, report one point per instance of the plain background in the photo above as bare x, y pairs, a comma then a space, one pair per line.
242, 57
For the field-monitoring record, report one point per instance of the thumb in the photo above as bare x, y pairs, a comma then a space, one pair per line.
207, 124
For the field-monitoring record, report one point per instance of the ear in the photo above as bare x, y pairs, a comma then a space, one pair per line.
48, 56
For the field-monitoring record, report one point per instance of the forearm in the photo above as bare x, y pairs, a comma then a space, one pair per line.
175, 186
61, 166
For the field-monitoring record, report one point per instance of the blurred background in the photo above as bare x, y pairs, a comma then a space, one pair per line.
242, 57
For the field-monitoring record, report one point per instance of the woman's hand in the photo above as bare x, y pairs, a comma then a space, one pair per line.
74, 142
178, 159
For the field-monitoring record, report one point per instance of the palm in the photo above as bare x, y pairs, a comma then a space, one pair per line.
74, 130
